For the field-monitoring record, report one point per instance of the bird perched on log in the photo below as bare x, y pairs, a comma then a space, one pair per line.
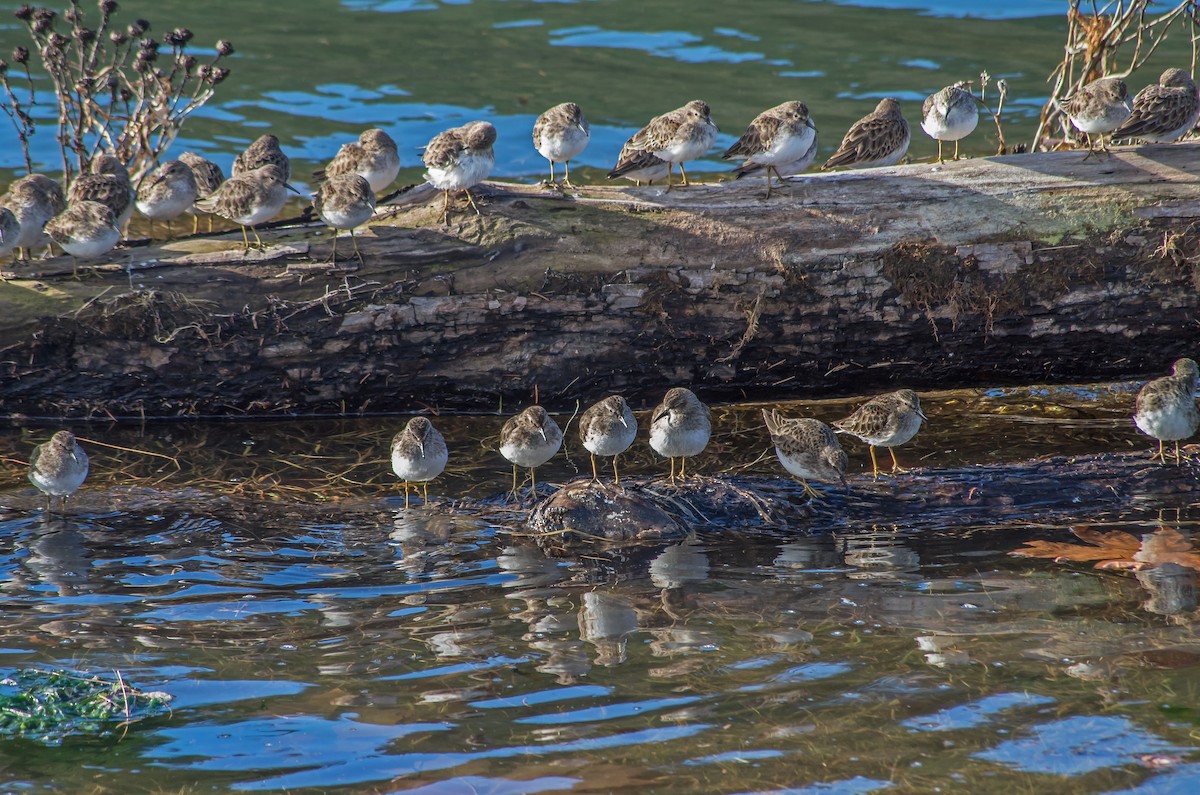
374, 157
208, 176
167, 193
58, 467
887, 421
680, 426
639, 164
108, 183
265, 151
880, 138
807, 448
1098, 108
1166, 407
560, 134
778, 136
250, 198
1163, 112
950, 115
33, 200
345, 201
459, 159
86, 229
682, 134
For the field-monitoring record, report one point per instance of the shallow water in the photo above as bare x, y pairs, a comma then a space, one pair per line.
320, 73
318, 637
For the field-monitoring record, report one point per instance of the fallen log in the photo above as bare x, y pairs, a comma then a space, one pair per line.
1036, 268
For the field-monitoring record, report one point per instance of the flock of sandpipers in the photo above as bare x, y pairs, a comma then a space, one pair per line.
88, 221
680, 427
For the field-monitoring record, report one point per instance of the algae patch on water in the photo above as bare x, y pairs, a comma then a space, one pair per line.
48, 706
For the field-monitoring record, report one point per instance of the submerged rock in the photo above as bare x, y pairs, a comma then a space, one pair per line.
585, 513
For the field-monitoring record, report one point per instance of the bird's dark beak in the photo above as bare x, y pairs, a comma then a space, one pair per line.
288, 185
809, 123
660, 415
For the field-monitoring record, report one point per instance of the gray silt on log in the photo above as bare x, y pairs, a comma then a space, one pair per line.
1021, 269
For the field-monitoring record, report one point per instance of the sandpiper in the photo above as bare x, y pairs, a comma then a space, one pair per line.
529, 440
950, 115
85, 229
640, 165
778, 136
108, 183
1098, 108
680, 427
1166, 407
1163, 112
880, 138
265, 151
167, 193
418, 452
459, 159
608, 428
560, 134
374, 157
885, 421
683, 134
34, 200
345, 201
208, 176
10, 231
58, 467
250, 199
807, 448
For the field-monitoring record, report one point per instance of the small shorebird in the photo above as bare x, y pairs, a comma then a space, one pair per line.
640, 165
1098, 108
374, 157
249, 199
167, 193
675, 137
418, 454
880, 138
459, 159
950, 115
108, 183
808, 449
778, 136
1163, 112
10, 231
34, 200
265, 151
680, 427
84, 230
885, 421
58, 467
345, 201
1166, 407
529, 440
208, 176
560, 134
608, 428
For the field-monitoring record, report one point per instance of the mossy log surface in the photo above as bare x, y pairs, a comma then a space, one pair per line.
1037, 268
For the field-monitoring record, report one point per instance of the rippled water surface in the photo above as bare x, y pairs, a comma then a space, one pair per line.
319, 637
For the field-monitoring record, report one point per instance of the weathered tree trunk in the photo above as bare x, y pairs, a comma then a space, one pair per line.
1021, 269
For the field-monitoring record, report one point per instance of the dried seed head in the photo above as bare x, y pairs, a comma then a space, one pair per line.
118, 37
219, 73
85, 35
73, 15
41, 24
84, 85
204, 72
58, 41
138, 27
20, 54
178, 37
224, 47
126, 94
187, 63
24, 13
140, 65
45, 14
108, 6
112, 82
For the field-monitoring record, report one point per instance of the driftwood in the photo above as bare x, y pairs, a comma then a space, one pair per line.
1036, 268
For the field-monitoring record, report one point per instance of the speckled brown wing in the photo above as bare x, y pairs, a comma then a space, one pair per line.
234, 198
1159, 395
107, 189
870, 138
659, 133
757, 137
346, 161
264, 151
208, 174
1158, 109
869, 422
444, 149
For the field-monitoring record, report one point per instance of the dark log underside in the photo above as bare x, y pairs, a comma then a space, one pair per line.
1026, 269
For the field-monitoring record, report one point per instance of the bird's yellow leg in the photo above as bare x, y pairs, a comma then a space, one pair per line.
195, 224
170, 230
616, 477
895, 464
956, 150
567, 179
333, 256
471, 201
809, 491
769, 181
357, 253
425, 491
594, 475
514, 488
683, 467
669, 164
874, 463
258, 240
940, 159
406, 494
245, 239
446, 219
672, 460
533, 481
683, 173
551, 172
1161, 457
1178, 460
